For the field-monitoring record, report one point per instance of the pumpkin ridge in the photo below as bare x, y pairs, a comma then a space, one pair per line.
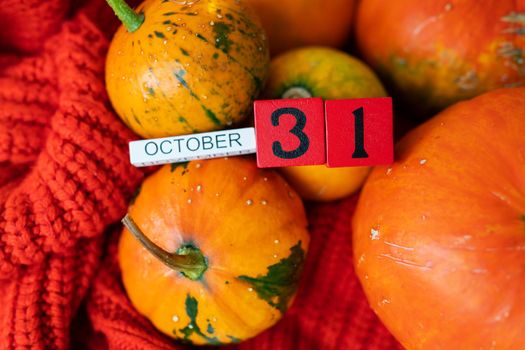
181, 119
209, 113
241, 17
257, 81
166, 99
225, 306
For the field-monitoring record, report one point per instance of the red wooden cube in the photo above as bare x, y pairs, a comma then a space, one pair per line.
290, 132
359, 132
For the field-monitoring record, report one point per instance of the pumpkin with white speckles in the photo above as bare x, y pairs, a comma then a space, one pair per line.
180, 67
435, 53
214, 250
439, 237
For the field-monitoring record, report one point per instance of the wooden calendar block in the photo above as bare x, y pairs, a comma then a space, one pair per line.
190, 147
290, 132
359, 132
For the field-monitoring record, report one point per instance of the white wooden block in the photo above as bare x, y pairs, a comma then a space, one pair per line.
190, 147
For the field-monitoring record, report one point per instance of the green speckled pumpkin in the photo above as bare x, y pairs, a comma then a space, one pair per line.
190, 66
213, 250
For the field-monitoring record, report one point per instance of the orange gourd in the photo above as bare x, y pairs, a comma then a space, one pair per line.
220, 248
295, 23
439, 237
330, 74
435, 53
180, 67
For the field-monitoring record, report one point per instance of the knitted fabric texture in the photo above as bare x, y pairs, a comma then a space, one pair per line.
65, 178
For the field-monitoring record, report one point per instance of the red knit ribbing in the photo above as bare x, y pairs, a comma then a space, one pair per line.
26, 24
65, 178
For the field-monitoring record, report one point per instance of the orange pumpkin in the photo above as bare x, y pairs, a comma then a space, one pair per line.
439, 237
219, 253
294, 23
330, 74
190, 66
435, 53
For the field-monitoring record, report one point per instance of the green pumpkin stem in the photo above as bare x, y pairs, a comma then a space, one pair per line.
192, 264
131, 20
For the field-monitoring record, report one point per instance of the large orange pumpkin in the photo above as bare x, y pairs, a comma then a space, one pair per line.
190, 66
219, 253
435, 53
295, 23
439, 237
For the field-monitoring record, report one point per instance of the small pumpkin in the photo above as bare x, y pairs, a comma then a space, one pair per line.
180, 67
439, 237
435, 53
220, 248
330, 74
294, 23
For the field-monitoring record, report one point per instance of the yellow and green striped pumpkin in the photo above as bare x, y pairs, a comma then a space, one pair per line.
190, 66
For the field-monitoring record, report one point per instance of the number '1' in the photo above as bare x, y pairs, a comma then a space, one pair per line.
359, 148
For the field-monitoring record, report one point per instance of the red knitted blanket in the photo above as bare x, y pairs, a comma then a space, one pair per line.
65, 180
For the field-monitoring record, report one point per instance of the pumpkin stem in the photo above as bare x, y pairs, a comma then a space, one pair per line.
296, 92
131, 20
189, 260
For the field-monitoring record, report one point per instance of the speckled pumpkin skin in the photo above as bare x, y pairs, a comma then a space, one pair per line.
188, 68
330, 74
244, 220
435, 53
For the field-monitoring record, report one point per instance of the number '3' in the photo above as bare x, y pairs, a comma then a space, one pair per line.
297, 130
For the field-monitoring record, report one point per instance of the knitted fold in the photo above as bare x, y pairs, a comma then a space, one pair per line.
65, 176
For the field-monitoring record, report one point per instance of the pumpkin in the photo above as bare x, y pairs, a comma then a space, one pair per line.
189, 66
320, 183
439, 237
295, 23
435, 53
220, 248
330, 74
